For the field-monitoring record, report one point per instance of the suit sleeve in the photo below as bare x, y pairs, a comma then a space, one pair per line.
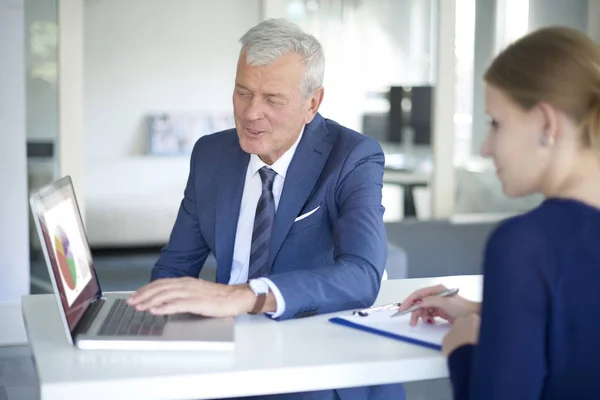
360, 244
187, 250
509, 362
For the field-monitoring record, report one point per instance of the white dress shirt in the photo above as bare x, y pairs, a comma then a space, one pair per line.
245, 226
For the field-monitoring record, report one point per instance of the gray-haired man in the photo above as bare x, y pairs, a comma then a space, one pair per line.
288, 202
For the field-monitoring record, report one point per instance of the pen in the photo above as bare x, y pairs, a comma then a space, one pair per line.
367, 311
445, 293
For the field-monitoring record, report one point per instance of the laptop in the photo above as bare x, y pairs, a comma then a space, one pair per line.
96, 320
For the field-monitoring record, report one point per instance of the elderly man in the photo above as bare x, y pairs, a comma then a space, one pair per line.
288, 202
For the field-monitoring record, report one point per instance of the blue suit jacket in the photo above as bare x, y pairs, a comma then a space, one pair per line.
330, 261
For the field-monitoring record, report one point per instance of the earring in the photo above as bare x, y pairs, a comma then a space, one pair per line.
543, 141
546, 140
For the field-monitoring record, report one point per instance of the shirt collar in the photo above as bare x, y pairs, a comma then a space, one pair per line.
281, 165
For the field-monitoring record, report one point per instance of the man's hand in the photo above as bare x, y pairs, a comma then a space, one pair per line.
191, 295
465, 330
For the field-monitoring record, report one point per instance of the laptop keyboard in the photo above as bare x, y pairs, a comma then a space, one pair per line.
123, 320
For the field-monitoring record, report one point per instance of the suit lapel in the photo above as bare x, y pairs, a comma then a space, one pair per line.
232, 175
304, 170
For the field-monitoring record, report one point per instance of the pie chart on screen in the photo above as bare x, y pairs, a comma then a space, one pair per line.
64, 257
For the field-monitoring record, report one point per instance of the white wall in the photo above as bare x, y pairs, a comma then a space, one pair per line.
144, 56
443, 182
14, 249
70, 94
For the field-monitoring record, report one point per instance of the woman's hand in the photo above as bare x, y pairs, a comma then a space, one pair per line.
465, 330
449, 308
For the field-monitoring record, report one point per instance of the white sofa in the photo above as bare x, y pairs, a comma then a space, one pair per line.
134, 201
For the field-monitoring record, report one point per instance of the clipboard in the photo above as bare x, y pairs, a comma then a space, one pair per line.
381, 323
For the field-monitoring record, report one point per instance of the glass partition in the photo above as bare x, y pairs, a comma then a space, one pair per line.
41, 40
379, 80
496, 24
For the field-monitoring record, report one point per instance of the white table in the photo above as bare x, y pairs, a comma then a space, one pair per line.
12, 330
270, 357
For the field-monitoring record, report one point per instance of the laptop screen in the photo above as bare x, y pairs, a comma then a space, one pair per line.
66, 248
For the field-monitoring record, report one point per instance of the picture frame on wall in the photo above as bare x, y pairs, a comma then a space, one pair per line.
176, 134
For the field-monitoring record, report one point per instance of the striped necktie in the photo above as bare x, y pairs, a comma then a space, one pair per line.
263, 225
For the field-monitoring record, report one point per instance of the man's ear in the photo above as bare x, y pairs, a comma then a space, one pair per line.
314, 104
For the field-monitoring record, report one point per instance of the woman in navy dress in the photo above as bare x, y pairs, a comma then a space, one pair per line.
536, 334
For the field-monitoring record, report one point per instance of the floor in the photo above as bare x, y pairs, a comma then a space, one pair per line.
18, 379
127, 270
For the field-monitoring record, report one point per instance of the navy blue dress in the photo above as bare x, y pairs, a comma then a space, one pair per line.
540, 317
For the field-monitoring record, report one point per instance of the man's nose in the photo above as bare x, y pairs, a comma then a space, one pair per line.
255, 109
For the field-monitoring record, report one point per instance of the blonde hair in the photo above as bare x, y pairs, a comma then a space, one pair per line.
556, 65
